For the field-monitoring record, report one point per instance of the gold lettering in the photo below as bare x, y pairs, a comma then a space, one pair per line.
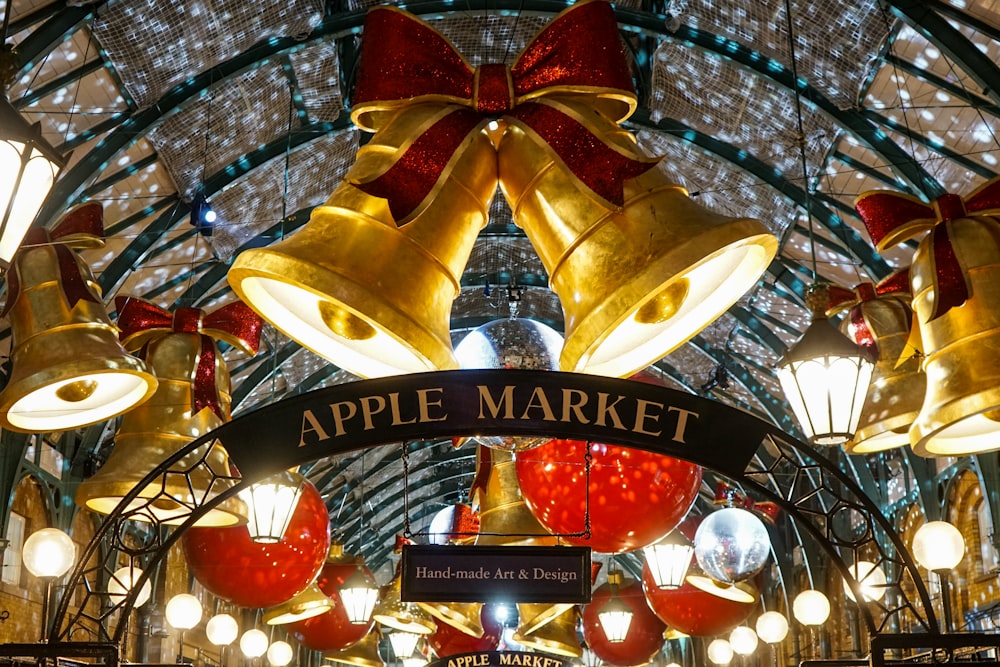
641, 416
542, 403
575, 406
507, 658
682, 420
311, 424
338, 415
425, 403
367, 411
506, 401
603, 409
397, 420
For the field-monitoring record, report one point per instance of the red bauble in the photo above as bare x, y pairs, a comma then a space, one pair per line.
636, 497
645, 632
233, 567
692, 610
448, 640
332, 630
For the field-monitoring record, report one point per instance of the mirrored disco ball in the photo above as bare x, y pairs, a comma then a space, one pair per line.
510, 343
731, 545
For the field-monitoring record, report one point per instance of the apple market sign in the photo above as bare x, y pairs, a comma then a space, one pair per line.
429, 406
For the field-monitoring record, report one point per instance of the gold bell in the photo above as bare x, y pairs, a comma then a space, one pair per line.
391, 611
68, 369
361, 654
157, 429
558, 637
635, 282
961, 410
463, 616
504, 517
310, 602
898, 384
370, 293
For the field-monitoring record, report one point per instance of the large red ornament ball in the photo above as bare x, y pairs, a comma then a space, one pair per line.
645, 632
693, 611
332, 630
449, 640
636, 497
233, 567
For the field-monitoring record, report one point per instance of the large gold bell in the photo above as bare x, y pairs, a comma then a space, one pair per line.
504, 517
558, 637
635, 282
463, 616
897, 387
391, 611
372, 294
360, 654
156, 430
961, 410
68, 369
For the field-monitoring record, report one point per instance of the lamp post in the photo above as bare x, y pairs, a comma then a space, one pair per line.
183, 613
811, 608
939, 546
222, 630
48, 554
772, 628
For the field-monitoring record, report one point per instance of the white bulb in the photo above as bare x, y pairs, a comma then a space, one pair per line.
938, 546
720, 652
253, 643
811, 608
279, 654
222, 629
183, 611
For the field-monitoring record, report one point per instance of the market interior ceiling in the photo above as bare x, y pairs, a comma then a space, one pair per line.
247, 104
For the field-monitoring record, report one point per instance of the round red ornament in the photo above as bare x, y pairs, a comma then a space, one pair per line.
693, 611
233, 567
645, 632
449, 640
332, 630
636, 497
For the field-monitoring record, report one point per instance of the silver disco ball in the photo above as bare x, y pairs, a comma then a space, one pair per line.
510, 343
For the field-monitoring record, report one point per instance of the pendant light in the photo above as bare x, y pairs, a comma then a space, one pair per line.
359, 595
270, 505
825, 376
615, 615
669, 559
28, 164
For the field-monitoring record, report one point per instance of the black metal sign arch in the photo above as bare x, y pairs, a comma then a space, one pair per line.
429, 406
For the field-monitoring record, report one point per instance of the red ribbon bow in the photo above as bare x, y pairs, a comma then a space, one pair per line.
893, 217
842, 298
80, 227
727, 495
405, 62
141, 321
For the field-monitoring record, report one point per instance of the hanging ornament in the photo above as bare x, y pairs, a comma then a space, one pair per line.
455, 524
953, 279
732, 544
510, 343
333, 630
192, 398
693, 611
250, 574
624, 482
68, 369
449, 640
880, 318
645, 632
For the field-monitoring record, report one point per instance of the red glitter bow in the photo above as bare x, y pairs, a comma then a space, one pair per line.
841, 298
80, 227
892, 218
236, 324
727, 495
406, 62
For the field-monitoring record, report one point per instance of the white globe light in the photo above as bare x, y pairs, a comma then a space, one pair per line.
938, 546
183, 611
48, 553
279, 654
811, 608
253, 643
731, 545
222, 629
720, 652
871, 579
121, 585
772, 627
743, 640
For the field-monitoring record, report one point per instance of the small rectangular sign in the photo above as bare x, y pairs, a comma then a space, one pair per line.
447, 573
